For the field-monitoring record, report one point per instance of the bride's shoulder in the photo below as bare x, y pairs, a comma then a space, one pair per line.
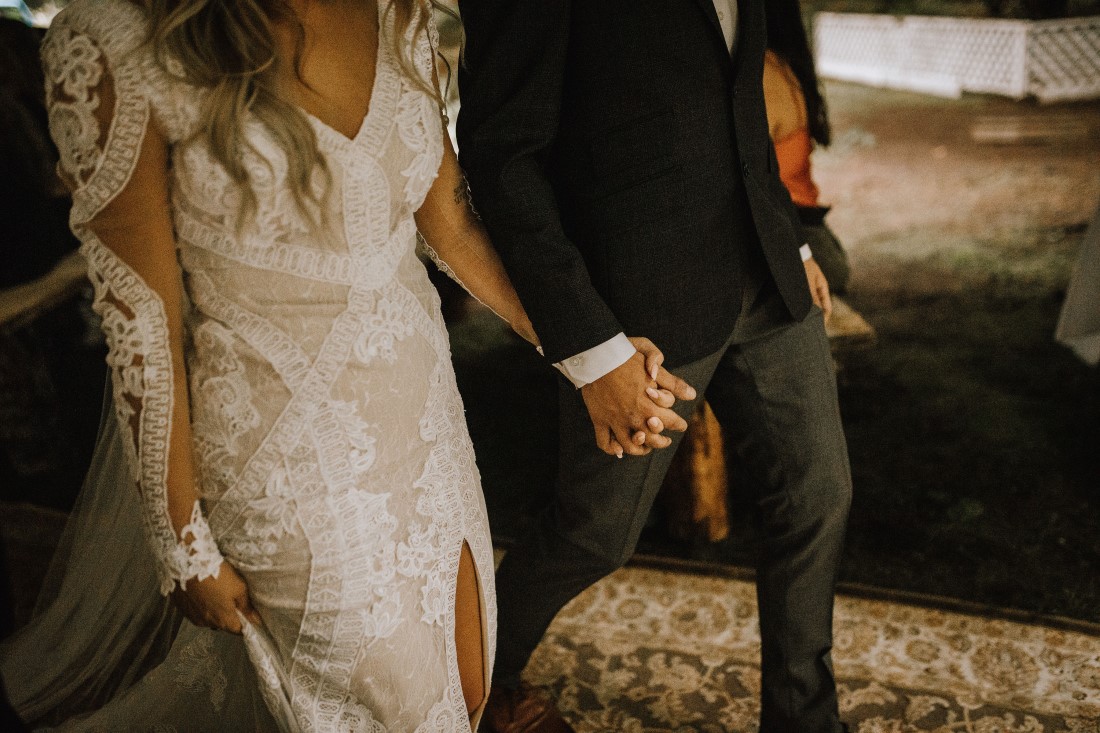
92, 37
117, 27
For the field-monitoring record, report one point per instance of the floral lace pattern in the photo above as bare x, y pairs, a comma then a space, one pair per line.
220, 422
329, 437
76, 72
133, 316
199, 668
140, 364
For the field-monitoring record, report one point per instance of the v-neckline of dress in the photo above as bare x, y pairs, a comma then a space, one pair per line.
380, 70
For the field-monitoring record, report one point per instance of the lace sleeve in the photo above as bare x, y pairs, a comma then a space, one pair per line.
116, 165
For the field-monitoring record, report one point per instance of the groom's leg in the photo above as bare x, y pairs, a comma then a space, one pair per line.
775, 397
588, 531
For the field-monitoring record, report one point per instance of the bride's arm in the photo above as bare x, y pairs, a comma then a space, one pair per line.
454, 238
115, 161
139, 295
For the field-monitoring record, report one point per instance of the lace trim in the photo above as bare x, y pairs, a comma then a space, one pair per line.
222, 410
281, 352
140, 359
195, 556
72, 120
446, 716
418, 128
377, 251
75, 70
304, 262
387, 89
121, 27
426, 249
134, 319
451, 469
419, 123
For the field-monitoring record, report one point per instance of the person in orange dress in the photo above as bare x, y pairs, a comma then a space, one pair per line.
797, 120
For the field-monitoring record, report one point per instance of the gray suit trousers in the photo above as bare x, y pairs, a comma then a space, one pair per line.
773, 390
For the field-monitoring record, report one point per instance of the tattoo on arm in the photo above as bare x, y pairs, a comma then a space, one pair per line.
463, 197
462, 194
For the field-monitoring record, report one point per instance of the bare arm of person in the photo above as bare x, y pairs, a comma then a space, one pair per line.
454, 238
115, 161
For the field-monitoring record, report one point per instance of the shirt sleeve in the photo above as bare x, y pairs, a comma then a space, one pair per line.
591, 364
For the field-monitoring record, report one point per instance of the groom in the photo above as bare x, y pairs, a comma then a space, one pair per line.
618, 152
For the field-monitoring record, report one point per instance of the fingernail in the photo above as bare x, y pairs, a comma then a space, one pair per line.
654, 422
619, 454
653, 372
654, 394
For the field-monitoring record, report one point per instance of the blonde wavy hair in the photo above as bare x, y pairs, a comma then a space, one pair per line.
229, 49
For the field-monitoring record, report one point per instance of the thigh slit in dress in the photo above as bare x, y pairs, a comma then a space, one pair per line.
329, 437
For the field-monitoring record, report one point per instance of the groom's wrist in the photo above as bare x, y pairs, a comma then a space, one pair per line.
591, 364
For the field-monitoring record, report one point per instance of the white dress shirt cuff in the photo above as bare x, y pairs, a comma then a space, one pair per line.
588, 366
804, 250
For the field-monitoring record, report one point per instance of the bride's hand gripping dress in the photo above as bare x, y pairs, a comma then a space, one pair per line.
285, 401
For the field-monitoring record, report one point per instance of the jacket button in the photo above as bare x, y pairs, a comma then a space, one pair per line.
745, 167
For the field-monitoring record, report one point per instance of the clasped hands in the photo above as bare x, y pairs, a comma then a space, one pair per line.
631, 406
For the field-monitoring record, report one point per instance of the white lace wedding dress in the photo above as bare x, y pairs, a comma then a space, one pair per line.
336, 470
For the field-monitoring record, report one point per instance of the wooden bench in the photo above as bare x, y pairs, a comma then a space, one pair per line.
22, 304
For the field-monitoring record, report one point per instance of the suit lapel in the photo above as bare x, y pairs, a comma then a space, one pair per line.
750, 22
707, 6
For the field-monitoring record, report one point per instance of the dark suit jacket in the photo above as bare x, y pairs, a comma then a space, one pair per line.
621, 162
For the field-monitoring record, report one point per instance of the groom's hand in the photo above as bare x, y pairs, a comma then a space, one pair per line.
627, 401
669, 388
819, 286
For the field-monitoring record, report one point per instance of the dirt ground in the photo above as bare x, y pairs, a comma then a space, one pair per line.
973, 437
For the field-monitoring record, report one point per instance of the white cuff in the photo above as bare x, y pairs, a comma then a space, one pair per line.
588, 366
804, 250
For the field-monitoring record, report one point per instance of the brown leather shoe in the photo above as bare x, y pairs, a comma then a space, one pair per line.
523, 710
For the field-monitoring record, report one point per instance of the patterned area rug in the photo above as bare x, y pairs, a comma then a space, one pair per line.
648, 651
652, 650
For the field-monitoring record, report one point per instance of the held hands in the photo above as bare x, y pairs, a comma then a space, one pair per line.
819, 286
217, 603
630, 405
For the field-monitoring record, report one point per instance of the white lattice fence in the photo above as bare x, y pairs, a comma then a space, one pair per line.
1050, 59
1063, 59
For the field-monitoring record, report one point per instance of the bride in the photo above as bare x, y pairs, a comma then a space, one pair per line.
249, 179
248, 182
